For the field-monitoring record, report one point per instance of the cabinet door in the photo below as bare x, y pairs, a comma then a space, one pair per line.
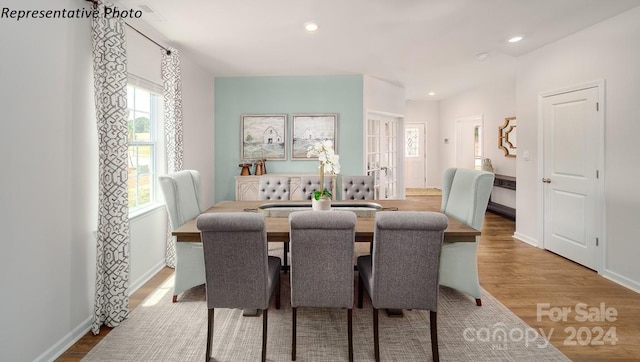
246, 190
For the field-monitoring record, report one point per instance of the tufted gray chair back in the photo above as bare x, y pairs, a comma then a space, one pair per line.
310, 184
358, 187
273, 188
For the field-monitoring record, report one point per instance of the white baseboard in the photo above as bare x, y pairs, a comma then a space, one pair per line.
526, 239
66, 342
135, 285
622, 280
83, 328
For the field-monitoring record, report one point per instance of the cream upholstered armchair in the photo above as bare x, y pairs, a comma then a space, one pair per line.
182, 198
465, 195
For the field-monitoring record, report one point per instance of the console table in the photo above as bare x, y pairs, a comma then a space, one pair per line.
505, 182
247, 186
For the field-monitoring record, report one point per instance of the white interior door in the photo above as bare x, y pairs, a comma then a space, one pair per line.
469, 142
415, 155
382, 155
571, 147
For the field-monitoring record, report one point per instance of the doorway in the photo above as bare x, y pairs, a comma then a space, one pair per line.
572, 173
469, 145
383, 159
415, 174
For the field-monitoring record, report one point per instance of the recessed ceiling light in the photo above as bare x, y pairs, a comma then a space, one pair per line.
515, 39
310, 26
432, 93
482, 56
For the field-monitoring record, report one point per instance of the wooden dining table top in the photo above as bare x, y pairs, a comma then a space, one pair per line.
278, 227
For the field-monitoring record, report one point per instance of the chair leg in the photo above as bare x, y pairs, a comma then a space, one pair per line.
278, 294
285, 257
350, 332
479, 302
264, 335
376, 340
360, 291
209, 334
434, 336
293, 334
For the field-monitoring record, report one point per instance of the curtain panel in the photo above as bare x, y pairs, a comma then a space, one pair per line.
110, 87
172, 79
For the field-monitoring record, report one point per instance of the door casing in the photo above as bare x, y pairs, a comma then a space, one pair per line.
600, 191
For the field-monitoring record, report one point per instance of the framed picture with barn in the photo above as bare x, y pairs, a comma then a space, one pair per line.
263, 137
307, 129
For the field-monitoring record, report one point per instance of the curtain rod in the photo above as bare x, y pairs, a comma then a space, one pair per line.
95, 4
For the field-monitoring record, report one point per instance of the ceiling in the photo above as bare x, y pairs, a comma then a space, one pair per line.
421, 45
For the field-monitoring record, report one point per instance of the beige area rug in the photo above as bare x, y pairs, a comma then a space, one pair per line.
159, 330
422, 192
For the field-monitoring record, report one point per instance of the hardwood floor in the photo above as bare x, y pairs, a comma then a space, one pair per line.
88, 341
522, 277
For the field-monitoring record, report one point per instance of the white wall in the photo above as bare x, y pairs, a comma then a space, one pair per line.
428, 113
198, 125
48, 154
49, 201
381, 96
608, 51
384, 98
494, 102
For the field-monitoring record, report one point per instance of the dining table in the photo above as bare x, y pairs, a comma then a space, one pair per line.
277, 221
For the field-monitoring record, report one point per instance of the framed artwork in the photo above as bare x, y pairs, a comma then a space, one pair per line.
307, 129
263, 136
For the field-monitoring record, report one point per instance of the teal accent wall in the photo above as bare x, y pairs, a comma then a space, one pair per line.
235, 96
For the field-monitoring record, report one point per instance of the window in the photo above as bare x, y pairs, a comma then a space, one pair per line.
144, 112
411, 143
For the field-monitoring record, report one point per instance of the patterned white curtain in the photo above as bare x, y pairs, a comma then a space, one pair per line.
172, 79
112, 256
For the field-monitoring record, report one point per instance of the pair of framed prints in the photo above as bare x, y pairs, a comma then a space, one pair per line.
264, 136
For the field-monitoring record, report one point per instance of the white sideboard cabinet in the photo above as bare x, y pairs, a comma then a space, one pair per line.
247, 186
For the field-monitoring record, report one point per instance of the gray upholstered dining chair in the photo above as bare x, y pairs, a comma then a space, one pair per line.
310, 184
402, 270
181, 192
239, 273
358, 187
465, 195
273, 188
322, 264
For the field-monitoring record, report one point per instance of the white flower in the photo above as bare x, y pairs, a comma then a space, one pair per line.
326, 156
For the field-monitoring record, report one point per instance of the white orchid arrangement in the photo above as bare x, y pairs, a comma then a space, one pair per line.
329, 163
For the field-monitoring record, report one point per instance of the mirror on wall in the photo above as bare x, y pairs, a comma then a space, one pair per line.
507, 137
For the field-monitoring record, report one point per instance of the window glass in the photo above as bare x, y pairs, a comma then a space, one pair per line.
144, 108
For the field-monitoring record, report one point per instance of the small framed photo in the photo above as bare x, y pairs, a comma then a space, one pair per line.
263, 137
307, 129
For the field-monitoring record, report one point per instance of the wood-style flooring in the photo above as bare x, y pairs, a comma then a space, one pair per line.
525, 279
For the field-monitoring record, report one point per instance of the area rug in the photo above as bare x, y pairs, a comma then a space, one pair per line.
159, 330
